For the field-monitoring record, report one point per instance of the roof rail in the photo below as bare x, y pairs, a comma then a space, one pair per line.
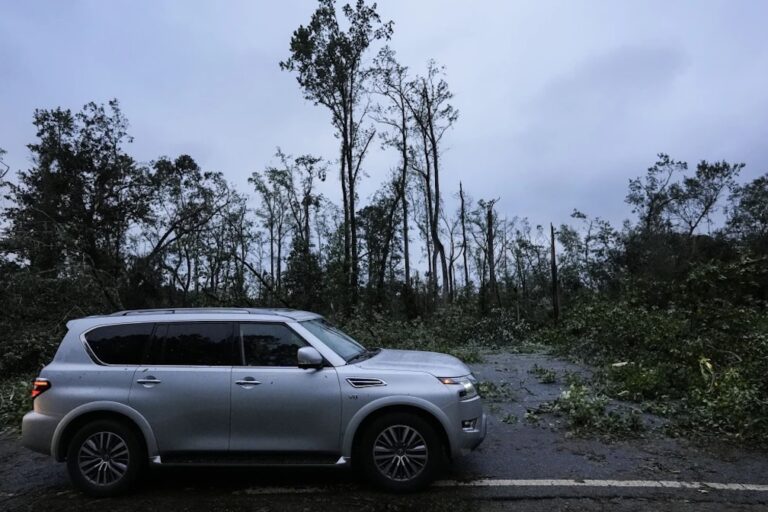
174, 311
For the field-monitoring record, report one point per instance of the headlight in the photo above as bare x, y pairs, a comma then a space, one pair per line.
467, 389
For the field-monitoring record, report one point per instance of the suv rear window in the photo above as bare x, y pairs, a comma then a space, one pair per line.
192, 344
119, 344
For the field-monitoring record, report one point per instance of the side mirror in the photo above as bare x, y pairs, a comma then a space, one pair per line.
309, 357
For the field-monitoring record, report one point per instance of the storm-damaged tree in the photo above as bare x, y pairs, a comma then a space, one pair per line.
696, 197
452, 228
170, 246
392, 84
485, 231
650, 197
748, 215
587, 260
73, 209
274, 212
379, 223
330, 67
297, 177
672, 205
432, 116
463, 217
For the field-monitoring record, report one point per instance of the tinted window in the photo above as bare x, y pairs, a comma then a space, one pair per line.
270, 345
193, 344
119, 344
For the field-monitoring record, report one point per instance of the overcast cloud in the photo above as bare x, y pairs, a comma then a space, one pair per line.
561, 102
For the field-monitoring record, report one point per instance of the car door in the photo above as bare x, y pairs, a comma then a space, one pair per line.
182, 387
277, 406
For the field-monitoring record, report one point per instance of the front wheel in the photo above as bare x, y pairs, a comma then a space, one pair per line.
105, 458
401, 452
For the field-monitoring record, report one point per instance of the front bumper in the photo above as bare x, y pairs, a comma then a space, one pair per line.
471, 438
467, 439
37, 431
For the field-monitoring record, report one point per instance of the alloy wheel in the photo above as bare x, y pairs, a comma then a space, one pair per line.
103, 458
400, 453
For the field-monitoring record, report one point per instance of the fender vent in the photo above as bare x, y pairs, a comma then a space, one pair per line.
356, 382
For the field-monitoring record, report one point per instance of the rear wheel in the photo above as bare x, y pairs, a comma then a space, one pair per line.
401, 452
105, 458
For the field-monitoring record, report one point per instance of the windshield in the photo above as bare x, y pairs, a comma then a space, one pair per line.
336, 340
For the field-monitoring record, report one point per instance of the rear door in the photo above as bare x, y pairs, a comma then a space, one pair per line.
277, 406
182, 388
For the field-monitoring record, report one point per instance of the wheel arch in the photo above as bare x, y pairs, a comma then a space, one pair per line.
373, 410
93, 411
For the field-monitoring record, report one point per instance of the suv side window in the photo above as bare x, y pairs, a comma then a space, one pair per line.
192, 344
119, 344
269, 344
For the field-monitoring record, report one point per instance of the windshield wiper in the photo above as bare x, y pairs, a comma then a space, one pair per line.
362, 356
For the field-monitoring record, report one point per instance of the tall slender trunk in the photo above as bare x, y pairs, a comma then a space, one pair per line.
272, 252
353, 262
403, 194
431, 247
344, 194
491, 235
464, 235
306, 202
555, 297
439, 248
279, 256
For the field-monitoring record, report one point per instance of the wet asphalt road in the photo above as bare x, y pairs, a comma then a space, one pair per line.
514, 449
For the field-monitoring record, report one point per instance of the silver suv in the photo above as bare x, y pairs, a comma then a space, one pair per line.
250, 387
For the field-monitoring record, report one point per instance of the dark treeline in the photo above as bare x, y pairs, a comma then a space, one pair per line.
679, 291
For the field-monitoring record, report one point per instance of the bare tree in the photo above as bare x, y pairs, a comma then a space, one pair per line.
392, 84
433, 115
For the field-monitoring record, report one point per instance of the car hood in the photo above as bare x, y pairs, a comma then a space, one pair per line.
439, 365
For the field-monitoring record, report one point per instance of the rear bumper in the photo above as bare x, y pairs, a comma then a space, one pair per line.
37, 431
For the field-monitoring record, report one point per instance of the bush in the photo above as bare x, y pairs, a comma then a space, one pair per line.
708, 359
587, 413
453, 329
15, 402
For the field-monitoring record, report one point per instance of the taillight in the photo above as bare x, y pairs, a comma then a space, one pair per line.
39, 386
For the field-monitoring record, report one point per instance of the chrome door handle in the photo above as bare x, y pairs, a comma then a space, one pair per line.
247, 382
150, 380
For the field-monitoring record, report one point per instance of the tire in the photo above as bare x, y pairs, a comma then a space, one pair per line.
105, 458
415, 448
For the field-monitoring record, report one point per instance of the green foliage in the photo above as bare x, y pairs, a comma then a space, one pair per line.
34, 315
492, 392
510, 419
708, 356
545, 375
15, 402
588, 413
733, 405
453, 330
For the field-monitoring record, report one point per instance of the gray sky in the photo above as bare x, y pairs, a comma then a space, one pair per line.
561, 102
